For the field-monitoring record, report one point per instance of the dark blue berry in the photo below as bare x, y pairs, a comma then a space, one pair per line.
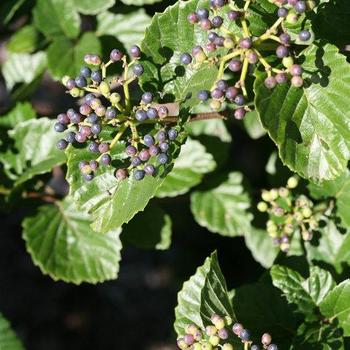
282, 12
149, 169
93, 147
186, 58
62, 144
152, 113
203, 95
203, 13
255, 347
285, 38
138, 69
147, 97
136, 161
80, 81
282, 51
148, 140
139, 175
88, 177
304, 35
244, 335
106, 159
164, 146
76, 118
212, 36
63, 118
111, 113
217, 21
116, 55
70, 137
89, 97
59, 127
96, 76
141, 115
239, 100
130, 151
300, 6
162, 158
135, 51
272, 347
85, 72
161, 136
172, 134
222, 85
92, 118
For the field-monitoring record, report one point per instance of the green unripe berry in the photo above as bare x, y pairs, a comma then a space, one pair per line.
288, 61
307, 212
115, 98
182, 344
285, 247
229, 43
95, 103
292, 18
262, 207
219, 324
197, 346
86, 170
307, 235
273, 194
288, 229
191, 329
75, 92
272, 231
313, 224
292, 182
104, 88
266, 196
214, 340
298, 216
206, 346
210, 330
65, 79
200, 57
310, 4
215, 105
227, 346
283, 192
228, 320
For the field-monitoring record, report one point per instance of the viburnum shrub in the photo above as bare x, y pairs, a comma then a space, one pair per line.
234, 110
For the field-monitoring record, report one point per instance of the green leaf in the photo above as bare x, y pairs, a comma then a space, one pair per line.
66, 58
150, 229
23, 68
204, 294
261, 246
189, 168
8, 338
35, 141
140, 2
24, 41
313, 138
88, 7
253, 126
224, 209
338, 189
168, 36
308, 293
336, 305
332, 247
211, 127
61, 242
20, 113
129, 28
55, 18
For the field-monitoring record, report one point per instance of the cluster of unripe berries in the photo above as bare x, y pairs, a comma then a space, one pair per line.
216, 335
104, 116
242, 51
288, 214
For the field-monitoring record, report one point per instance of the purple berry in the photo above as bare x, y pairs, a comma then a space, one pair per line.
93, 165
103, 147
297, 81
153, 150
281, 78
245, 43
188, 338
62, 144
233, 15
147, 97
135, 51
164, 146
270, 82
300, 6
285, 38
116, 55
231, 93
111, 113
149, 169
130, 151
136, 161
304, 35
237, 328
239, 113
244, 335
202, 13
192, 18
75, 118
282, 12
186, 58
144, 155
172, 134
252, 57
206, 24
217, 21
162, 158
239, 100
121, 174
211, 47
106, 159
296, 70
80, 138
63, 118
161, 136
223, 333
212, 36
203, 95
138, 69
282, 51
217, 94
141, 115
235, 65
148, 140
85, 130
222, 84
70, 84
93, 147
152, 113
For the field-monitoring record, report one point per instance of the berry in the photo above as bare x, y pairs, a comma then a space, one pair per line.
227, 346
231, 93
116, 55
239, 113
103, 147
214, 340
215, 105
62, 144
153, 150
85, 109
211, 47
235, 65
59, 127
297, 81
85, 130
245, 43
186, 58
229, 43
144, 155
272, 347
161, 136
285, 38
239, 100
203, 95
136, 161
244, 335
192, 18
206, 346
191, 329
149, 169
148, 140
70, 84
163, 111
80, 138
212, 36
104, 88
206, 24
100, 111
164, 147
292, 182
147, 97
130, 151
70, 137
282, 12
181, 344
135, 51
287, 61
233, 15
88, 177
237, 328
252, 57
152, 113
106, 159
300, 6
115, 98
270, 82
162, 158
93, 165
138, 176
217, 21
80, 81
254, 347
63, 118
121, 174
304, 35
281, 78
75, 118
111, 113
85, 72
282, 51
219, 41
138, 69
223, 333
188, 338
202, 13
222, 85
292, 18
93, 147
96, 76
94, 60
172, 134
262, 207
141, 115
217, 94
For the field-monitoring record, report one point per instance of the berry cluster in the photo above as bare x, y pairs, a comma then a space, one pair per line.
216, 336
105, 116
288, 214
236, 53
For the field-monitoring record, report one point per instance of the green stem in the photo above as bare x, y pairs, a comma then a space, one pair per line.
135, 135
263, 62
246, 5
246, 345
231, 55
126, 86
243, 76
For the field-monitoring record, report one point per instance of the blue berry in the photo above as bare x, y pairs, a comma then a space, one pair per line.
161, 136
85, 72
93, 147
148, 140
76, 118
116, 55
70, 137
300, 6
80, 138
203, 95
147, 97
162, 158
88, 177
282, 51
172, 134
136, 161
139, 175
217, 94
59, 127
164, 146
239, 100
130, 151
272, 347
138, 69
135, 51
217, 21
92, 118
304, 35
106, 159
89, 97
255, 347
244, 335
111, 113
222, 84
63, 118
203, 13
212, 36
149, 169
141, 115
186, 58
96, 76
152, 113
80, 81
285, 38
93, 165
282, 12
62, 144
